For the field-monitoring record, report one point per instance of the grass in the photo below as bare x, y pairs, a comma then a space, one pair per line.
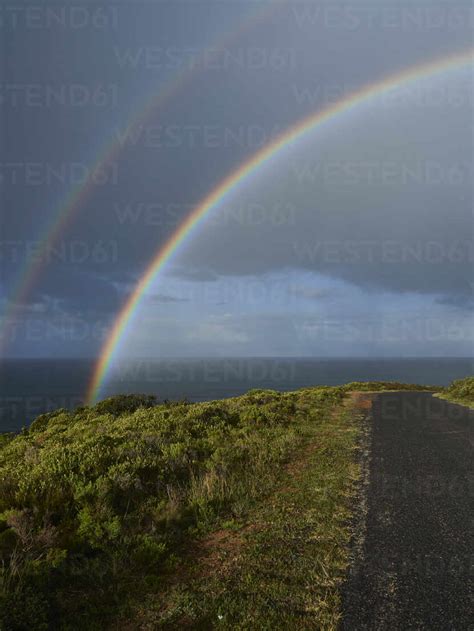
133, 514
460, 391
279, 567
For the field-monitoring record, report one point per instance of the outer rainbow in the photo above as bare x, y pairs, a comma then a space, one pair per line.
231, 182
67, 209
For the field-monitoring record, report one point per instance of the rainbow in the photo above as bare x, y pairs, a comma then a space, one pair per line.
69, 206
242, 173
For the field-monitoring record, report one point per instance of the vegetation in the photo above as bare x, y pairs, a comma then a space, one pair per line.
280, 563
460, 391
384, 386
113, 515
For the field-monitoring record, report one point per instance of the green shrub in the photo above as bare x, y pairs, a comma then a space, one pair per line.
24, 609
378, 386
41, 422
125, 404
95, 503
462, 390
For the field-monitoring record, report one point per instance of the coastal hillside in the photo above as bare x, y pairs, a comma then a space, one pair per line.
460, 391
142, 514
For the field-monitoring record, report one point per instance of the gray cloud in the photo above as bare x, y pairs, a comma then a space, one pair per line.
383, 199
379, 198
163, 298
311, 293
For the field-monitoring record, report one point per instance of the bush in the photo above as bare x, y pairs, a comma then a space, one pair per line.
125, 404
95, 503
378, 386
41, 422
461, 389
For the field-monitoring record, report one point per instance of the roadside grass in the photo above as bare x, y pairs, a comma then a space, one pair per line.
281, 564
138, 515
97, 505
387, 386
460, 391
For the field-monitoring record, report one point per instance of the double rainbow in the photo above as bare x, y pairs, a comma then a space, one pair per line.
241, 174
65, 212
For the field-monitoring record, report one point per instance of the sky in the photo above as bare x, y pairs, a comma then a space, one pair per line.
356, 241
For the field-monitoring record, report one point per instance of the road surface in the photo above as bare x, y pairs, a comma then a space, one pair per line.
413, 548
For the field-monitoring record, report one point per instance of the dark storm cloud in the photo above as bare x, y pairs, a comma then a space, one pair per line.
79, 291
383, 200
163, 298
77, 86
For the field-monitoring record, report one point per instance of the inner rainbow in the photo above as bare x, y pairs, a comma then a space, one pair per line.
186, 230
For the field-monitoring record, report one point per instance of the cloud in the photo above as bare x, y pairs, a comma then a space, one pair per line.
80, 291
164, 298
195, 274
382, 200
311, 293
463, 302
27, 308
219, 330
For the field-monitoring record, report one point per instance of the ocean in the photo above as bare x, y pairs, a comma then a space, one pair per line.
30, 387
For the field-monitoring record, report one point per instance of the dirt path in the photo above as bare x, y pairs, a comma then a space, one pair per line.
414, 550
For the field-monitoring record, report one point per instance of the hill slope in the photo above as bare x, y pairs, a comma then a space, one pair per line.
460, 391
231, 513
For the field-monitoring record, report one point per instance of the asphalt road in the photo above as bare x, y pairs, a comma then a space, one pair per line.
413, 549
